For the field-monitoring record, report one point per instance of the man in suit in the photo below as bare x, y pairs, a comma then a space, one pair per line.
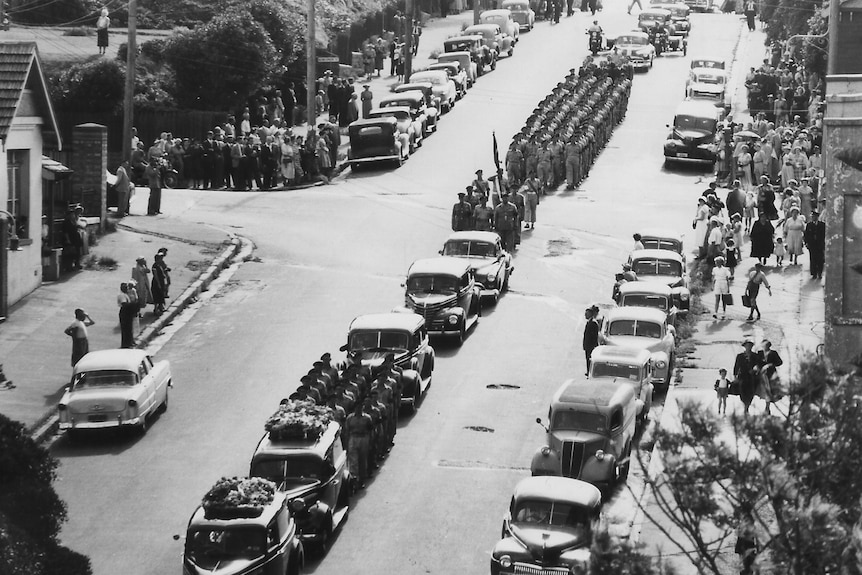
815, 241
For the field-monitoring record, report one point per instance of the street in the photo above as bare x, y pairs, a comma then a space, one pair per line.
330, 253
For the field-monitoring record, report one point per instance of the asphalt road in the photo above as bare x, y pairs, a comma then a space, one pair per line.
328, 254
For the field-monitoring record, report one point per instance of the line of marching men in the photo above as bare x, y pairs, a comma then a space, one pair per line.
365, 403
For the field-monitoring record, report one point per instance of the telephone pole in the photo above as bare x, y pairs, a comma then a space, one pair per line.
476, 11
310, 65
408, 39
129, 96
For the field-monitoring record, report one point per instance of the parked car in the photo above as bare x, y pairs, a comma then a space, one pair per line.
457, 75
465, 61
443, 86
707, 63
630, 364
493, 38
114, 388
650, 294
521, 13
590, 432
314, 476
652, 17
643, 328
491, 264
663, 239
475, 45
637, 48
406, 123
432, 102
502, 18
377, 140
548, 528
666, 267
700, 5
415, 102
708, 84
404, 335
679, 13
442, 290
244, 543
695, 133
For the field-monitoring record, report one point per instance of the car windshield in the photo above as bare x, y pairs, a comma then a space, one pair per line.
662, 244
466, 248
435, 79
399, 115
709, 79
104, 378
459, 46
290, 471
374, 340
707, 64
569, 420
553, 514
645, 300
432, 284
494, 18
656, 267
651, 17
699, 123
638, 328
632, 40
208, 548
406, 103
607, 369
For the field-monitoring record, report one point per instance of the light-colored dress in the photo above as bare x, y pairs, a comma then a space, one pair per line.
141, 275
701, 220
721, 280
793, 231
288, 168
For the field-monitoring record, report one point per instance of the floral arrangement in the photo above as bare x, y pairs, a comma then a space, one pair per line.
298, 419
235, 497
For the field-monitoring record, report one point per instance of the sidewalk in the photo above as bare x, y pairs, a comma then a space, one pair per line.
35, 352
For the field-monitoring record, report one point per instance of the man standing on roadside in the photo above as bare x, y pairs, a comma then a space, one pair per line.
124, 187
505, 220
815, 240
591, 334
462, 214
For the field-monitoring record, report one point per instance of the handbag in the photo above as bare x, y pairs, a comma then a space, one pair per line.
733, 388
727, 298
746, 300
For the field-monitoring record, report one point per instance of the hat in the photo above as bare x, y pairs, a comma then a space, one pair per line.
766, 342
747, 341
736, 216
718, 259
794, 208
701, 200
469, 188
714, 220
461, 194
141, 259
325, 357
627, 267
478, 172
815, 213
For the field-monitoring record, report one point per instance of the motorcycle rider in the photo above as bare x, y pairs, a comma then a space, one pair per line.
595, 31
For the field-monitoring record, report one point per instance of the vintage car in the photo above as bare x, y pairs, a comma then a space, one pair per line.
465, 61
404, 335
522, 14
442, 290
666, 267
663, 239
637, 48
504, 19
652, 17
405, 122
415, 102
313, 474
679, 13
491, 264
493, 38
630, 364
651, 294
457, 75
699, 5
376, 140
432, 102
244, 543
707, 63
442, 86
114, 388
643, 328
548, 528
707, 84
590, 432
475, 45
695, 135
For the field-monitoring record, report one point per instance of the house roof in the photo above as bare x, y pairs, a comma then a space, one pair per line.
20, 69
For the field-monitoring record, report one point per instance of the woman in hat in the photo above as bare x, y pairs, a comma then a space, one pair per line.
769, 360
745, 369
743, 162
794, 229
141, 276
761, 236
720, 286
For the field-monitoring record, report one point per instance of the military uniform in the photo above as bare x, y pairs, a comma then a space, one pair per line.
505, 223
359, 427
483, 218
544, 169
515, 165
462, 215
572, 159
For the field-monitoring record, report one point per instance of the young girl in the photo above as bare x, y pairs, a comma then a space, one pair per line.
748, 211
730, 256
779, 251
722, 386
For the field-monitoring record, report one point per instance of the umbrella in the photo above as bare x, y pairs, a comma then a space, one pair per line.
747, 135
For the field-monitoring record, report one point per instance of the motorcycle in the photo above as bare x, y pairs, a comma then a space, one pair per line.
595, 41
658, 38
170, 176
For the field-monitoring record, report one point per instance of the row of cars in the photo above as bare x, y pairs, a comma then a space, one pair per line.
593, 422
662, 27
397, 127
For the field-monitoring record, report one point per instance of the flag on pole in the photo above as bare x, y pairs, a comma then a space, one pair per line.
496, 152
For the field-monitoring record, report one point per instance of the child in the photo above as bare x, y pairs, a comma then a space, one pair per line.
722, 386
779, 251
730, 256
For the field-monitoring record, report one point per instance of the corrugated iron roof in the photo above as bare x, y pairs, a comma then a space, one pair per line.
20, 68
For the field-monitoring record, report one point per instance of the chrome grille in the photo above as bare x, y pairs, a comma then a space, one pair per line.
527, 569
429, 311
573, 456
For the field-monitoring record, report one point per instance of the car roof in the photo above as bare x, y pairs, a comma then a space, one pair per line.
125, 359
490, 237
407, 86
377, 112
511, 2
697, 108
548, 487
414, 95
638, 33
498, 12
462, 37
200, 521
453, 56
372, 122
391, 320
646, 287
482, 27
442, 264
427, 72
713, 71
599, 392
656, 11
636, 313
620, 353
658, 254
667, 233
444, 64
317, 446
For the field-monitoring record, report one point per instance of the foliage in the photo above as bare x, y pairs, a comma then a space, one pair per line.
94, 86
789, 17
613, 557
30, 511
297, 419
238, 497
816, 49
66, 12
795, 475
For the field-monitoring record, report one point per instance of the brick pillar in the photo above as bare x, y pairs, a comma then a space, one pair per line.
90, 163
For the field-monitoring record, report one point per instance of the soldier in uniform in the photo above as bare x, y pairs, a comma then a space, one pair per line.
472, 199
573, 153
359, 426
373, 408
543, 169
483, 216
531, 157
515, 165
383, 386
462, 214
327, 367
556, 149
480, 185
520, 204
209, 150
396, 375
506, 221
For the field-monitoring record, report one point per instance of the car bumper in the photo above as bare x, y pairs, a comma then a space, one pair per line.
691, 156
373, 159
107, 424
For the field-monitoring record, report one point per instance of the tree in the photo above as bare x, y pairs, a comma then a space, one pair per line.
796, 477
31, 513
219, 64
95, 86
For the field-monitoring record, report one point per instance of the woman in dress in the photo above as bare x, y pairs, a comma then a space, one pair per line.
323, 158
760, 161
744, 163
141, 277
720, 286
768, 387
102, 25
755, 279
288, 160
761, 236
701, 219
160, 284
794, 228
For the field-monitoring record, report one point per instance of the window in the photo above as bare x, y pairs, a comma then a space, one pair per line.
616, 419
18, 202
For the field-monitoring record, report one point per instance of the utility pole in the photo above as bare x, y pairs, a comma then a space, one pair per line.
310, 65
832, 31
129, 97
408, 39
476, 10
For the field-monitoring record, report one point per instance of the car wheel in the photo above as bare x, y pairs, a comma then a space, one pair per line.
494, 64
143, 426
624, 470
164, 406
511, 51
459, 339
171, 180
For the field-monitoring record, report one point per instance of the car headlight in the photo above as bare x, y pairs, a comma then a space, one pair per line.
61, 407
684, 296
600, 455
297, 505
133, 403
453, 319
661, 364
492, 276
578, 569
505, 562
546, 450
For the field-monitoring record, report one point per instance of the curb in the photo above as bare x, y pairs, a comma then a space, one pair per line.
239, 249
